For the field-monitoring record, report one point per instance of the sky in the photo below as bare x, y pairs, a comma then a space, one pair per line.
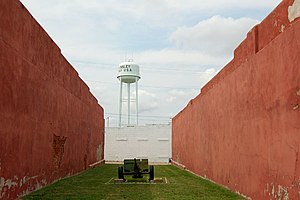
178, 44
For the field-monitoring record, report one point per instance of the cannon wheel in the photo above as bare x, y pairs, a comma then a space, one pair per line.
151, 174
120, 172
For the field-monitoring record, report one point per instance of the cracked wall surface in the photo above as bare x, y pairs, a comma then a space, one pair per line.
242, 130
51, 125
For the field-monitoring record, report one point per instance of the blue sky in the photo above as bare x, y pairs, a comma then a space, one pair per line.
179, 45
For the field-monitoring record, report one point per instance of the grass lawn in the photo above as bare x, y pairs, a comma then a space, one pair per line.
95, 184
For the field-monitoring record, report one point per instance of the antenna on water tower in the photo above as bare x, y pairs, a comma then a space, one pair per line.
129, 72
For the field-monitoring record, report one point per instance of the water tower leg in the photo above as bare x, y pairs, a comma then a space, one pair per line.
128, 91
120, 106
137, 102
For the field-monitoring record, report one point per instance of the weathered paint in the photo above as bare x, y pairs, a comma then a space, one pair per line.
294, 10
242, 130
51, 125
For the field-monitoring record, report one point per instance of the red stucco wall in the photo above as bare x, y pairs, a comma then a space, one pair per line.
243, 130
50, 124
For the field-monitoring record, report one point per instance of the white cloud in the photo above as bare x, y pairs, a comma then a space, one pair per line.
178, 92
147, 101
161, 13
167, 57
221, 4
203, 78
178, 57
177, 43
170, 99
210, 71
182, 96
216, 35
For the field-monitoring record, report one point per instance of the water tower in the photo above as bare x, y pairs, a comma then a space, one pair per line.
129, 72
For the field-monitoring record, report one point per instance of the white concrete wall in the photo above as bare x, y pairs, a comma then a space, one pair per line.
150, 141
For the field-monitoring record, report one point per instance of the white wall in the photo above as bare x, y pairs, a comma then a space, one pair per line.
150, 141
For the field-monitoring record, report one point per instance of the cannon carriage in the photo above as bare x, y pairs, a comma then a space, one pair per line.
137, 168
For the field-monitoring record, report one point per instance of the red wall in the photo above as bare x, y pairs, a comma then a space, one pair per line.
50, 124
243, 130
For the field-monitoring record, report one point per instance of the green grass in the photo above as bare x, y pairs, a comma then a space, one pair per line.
91, 185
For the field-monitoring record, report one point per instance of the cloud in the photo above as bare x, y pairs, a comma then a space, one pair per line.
208, 74
180, 96
179, 44
170, 99
147, 101
178, 57
151, 13
220, 4
215, 36
172, 58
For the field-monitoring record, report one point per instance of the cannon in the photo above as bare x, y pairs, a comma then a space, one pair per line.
137, 168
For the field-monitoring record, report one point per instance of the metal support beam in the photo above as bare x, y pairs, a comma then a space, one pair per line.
128, 91
136, 101
120, 106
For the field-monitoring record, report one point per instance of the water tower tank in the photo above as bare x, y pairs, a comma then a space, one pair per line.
129, 72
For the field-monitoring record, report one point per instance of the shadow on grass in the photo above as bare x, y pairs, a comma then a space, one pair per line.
144, 180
